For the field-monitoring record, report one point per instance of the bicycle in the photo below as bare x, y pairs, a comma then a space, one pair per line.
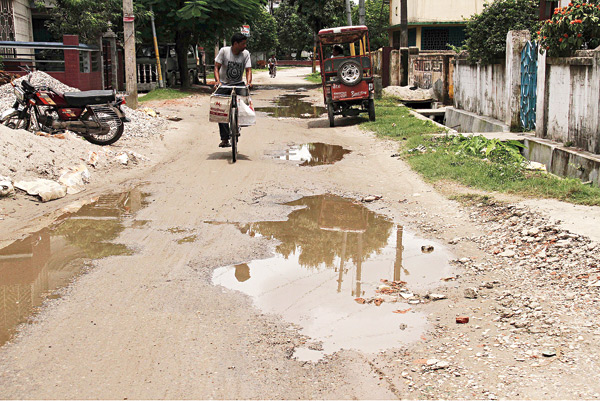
234, 127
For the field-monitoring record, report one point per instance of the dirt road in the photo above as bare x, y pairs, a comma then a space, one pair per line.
152, 323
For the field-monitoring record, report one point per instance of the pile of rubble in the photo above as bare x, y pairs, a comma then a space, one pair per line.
141, 125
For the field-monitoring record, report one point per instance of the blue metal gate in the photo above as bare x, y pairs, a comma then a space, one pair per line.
529, 60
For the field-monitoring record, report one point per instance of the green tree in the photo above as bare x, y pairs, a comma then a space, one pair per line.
186, 20
263, 32
293, 31
377, 20
87, 18
486, 32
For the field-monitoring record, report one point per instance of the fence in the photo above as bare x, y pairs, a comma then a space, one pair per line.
74, 64
566, 95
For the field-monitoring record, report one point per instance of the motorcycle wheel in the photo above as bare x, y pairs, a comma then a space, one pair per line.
17, 123
116, 130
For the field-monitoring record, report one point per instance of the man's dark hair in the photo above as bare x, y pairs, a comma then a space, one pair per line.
238, 37
339, 49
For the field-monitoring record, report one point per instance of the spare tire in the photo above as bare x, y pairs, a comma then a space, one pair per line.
350, 73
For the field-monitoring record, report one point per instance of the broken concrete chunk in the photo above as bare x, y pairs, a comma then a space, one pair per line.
47, 190
427, 248
6, 186
471, 293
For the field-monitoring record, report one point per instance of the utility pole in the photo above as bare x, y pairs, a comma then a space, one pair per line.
361, 12
130, 64
403, 23
161, 83
403, 42
349, 12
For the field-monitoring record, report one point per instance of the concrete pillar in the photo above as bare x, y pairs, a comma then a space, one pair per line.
541, 103
593, 104
112, 40
403, 66
515, 42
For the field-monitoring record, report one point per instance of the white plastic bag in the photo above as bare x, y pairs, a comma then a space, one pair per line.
219, 109
246, 115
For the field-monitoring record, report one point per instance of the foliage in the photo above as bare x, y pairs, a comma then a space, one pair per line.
293, 30
185, 20
486, 32
481, 147
377, 17
88, 19
571, 28
263, 32
322, 13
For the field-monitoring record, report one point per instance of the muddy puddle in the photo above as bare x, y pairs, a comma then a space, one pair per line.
33, 269
313, 154
292, 106
332, 251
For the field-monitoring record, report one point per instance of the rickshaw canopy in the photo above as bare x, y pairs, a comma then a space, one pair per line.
342, 34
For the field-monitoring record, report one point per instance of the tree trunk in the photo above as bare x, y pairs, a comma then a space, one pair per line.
182, 42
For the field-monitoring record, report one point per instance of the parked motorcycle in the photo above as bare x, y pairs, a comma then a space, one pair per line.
95, 115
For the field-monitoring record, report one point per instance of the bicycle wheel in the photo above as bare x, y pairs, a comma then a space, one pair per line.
234, 132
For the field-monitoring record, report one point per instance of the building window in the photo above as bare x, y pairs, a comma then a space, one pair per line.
440, 38
7, 22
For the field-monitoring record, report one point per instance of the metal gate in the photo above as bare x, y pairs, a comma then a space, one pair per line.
529, 62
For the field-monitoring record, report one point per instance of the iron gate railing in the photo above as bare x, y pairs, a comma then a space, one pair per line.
529, 62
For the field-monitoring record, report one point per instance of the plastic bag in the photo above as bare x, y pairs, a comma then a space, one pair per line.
219, 109
246, 115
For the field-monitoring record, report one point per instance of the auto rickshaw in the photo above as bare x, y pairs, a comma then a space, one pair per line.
347, 78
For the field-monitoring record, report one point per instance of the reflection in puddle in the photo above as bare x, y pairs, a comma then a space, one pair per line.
30, 269
292, 106
314, 154
332, 251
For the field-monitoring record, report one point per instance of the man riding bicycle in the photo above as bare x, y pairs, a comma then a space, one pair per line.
230, 64
272, 65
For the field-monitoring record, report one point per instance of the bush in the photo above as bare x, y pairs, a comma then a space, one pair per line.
574, 27
486, 32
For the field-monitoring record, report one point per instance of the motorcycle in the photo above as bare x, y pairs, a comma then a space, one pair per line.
95, 115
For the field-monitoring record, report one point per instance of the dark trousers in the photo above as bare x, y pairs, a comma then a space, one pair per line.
242, 91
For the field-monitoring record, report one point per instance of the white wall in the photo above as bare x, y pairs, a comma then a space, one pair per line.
426, 11
480, 89
568, 100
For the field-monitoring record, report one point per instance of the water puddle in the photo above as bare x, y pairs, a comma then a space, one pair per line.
32, 269
313, 154
292, 106
331, 252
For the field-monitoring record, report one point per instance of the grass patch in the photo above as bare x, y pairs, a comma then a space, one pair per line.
474, 199
315, 78
164, 94
443, 161
489, 165
397, 122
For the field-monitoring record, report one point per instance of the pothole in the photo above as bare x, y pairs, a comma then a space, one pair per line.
32, 269
292, 106
332, 253
313, 154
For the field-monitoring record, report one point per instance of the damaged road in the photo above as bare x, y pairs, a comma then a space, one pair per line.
229, 265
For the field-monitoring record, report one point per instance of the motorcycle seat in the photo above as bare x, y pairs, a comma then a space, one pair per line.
80, 99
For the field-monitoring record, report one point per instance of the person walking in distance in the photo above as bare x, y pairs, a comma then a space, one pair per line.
230, 65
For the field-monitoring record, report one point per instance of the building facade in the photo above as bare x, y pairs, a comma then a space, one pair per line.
433, 24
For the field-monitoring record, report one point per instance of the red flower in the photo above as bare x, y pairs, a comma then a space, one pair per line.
560, 40
565, 35
579, 35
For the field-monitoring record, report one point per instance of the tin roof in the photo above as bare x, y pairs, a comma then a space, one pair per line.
342, 34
